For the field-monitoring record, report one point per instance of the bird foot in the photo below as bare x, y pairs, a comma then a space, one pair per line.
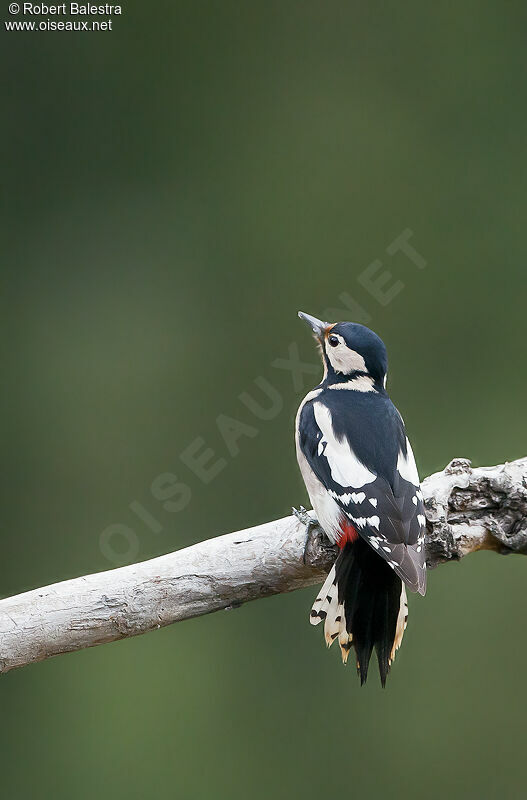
305, 518
310, 522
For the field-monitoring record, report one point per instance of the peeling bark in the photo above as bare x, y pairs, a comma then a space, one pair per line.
467, 510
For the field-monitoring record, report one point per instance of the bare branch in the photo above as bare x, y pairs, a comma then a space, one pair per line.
467, 510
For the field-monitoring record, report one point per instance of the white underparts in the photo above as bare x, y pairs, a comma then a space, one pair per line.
326, 508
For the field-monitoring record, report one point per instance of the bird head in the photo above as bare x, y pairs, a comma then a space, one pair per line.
349, 349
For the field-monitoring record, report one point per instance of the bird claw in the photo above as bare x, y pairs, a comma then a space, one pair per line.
310, 523
305, 517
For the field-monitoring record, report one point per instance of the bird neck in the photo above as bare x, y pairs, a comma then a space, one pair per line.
358, 381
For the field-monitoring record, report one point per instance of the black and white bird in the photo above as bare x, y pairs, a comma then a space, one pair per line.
361, 477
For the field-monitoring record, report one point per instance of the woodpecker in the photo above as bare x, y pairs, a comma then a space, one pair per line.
360, 474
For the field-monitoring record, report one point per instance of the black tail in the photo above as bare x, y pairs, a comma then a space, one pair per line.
374, 603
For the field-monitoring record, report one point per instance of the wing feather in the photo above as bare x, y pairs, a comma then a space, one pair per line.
370, 473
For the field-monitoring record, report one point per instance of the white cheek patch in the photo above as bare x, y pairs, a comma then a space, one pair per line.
406, 465
346, 469
345, 360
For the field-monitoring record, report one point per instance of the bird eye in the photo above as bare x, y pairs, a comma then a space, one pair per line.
333, 341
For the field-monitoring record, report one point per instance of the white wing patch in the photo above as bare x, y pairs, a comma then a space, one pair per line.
345, 468
348, 497
406, 465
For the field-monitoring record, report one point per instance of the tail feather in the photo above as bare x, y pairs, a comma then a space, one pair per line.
363, 603
330, 608
326, 599
402, 620
333, 622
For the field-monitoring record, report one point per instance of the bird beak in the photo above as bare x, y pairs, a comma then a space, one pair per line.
318, 327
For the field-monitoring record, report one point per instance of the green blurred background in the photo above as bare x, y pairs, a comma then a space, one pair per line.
173, 192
